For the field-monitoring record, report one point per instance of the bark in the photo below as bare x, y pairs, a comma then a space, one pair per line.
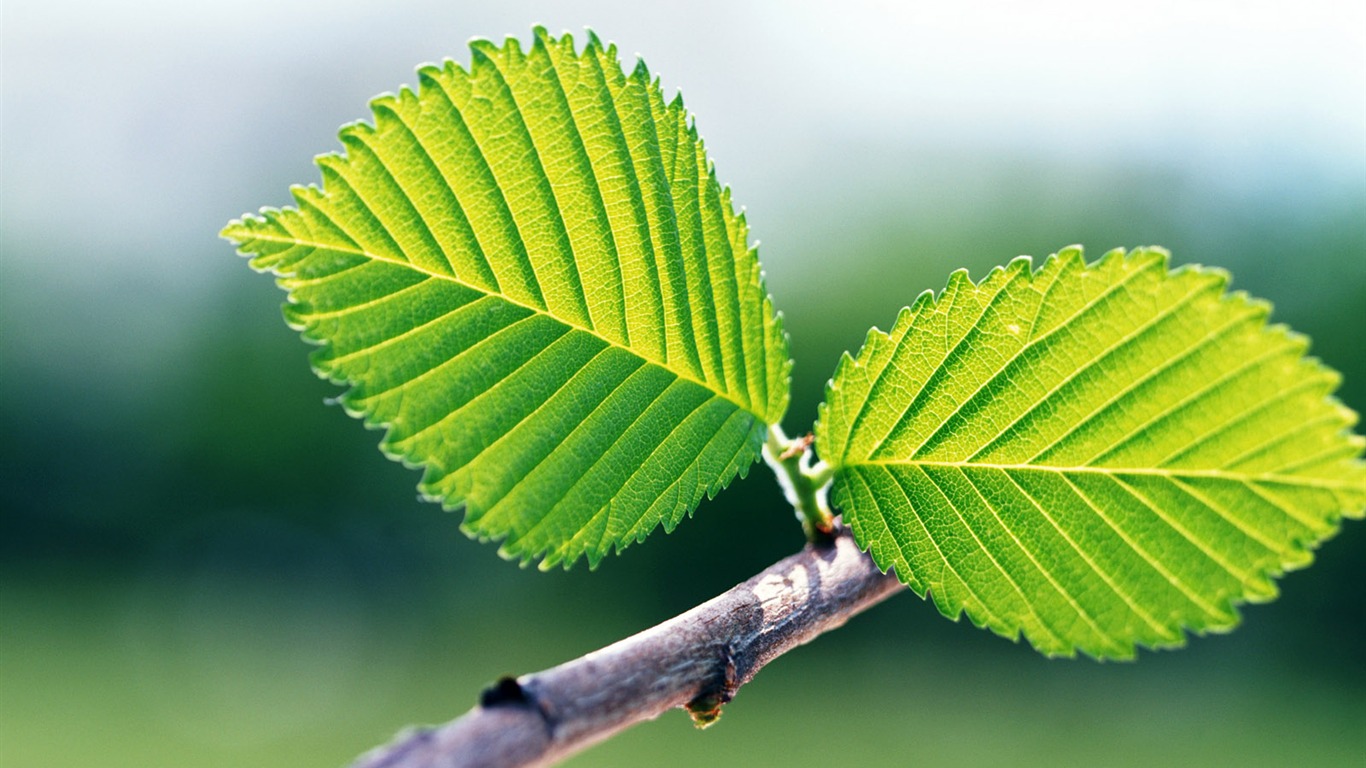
697, 660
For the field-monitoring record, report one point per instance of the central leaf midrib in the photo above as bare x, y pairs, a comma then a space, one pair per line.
1171, 474
530, 307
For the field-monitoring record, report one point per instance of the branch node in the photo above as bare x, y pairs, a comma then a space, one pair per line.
797, 447
509, 693
506, 692
705, 709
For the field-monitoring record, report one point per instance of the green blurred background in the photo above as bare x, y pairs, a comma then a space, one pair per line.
201, 564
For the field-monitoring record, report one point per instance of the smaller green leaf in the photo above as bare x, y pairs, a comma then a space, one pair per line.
1097, 456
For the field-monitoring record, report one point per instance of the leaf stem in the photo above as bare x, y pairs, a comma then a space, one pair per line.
804, 485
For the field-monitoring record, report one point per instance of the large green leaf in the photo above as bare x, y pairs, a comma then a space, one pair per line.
531, 277
1095, 456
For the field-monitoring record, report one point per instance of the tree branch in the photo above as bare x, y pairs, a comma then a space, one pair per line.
696, 660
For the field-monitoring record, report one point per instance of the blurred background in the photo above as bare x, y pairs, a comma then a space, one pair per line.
202, 564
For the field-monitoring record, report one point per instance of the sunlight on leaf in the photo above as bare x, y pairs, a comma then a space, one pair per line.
530, 277
1094, 456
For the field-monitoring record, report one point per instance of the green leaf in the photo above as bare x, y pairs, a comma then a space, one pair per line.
529, 275
1095, 456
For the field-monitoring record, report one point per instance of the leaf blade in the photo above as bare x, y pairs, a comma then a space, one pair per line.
1097, 456
496, 269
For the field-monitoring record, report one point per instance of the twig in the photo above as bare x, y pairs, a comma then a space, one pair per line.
696, 660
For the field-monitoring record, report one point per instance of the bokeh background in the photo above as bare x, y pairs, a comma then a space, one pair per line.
202, 564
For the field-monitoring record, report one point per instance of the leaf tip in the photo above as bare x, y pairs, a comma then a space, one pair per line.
306, 194
1073, 252
595, 44
483, 49
1156, 250
1147, 256
542, 40
1021, 263
1350, 418
429, 74
329, 163
640, 73
1065, 260
236, 231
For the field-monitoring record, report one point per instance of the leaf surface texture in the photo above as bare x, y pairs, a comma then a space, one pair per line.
1094, 456
529, 276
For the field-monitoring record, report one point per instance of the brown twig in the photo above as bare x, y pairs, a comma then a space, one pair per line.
697, 660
